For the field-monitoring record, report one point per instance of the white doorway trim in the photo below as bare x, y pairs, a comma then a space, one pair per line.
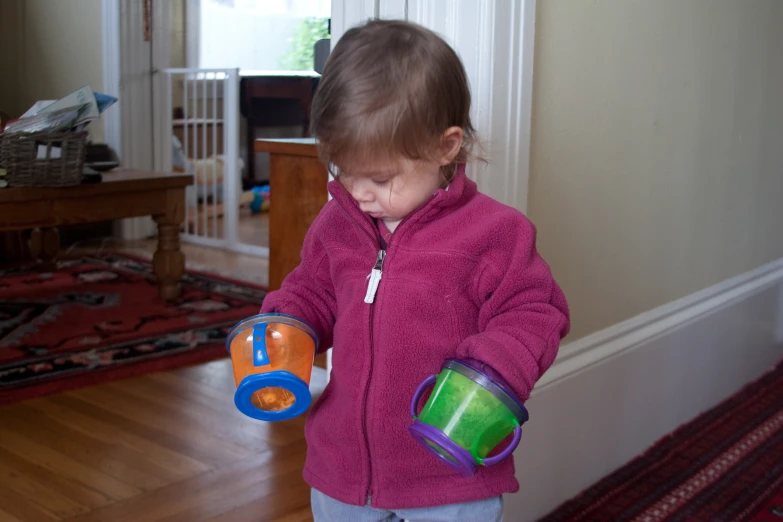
495, 39
110, 32
128, 74
192, 33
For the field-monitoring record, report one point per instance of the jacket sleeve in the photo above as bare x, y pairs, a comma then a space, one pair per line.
523, 313
307, 292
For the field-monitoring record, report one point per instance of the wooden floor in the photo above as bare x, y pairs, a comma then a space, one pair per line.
161, 447
252, 229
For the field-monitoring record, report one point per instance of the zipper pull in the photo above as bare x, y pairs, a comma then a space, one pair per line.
375, 278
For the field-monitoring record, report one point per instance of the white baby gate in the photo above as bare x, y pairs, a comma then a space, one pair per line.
205, 143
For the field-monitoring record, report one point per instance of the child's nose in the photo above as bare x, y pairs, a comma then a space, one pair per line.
363, 193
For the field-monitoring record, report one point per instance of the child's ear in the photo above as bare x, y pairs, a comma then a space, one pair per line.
450, 144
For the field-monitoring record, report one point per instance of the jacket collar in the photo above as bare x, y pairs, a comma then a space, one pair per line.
443, 202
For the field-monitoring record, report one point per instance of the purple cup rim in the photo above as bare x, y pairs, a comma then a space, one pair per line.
498, 386
463, 461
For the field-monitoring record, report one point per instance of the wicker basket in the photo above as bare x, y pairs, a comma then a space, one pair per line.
19, 155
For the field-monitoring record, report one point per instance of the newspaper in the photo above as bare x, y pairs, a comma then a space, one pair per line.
72, 112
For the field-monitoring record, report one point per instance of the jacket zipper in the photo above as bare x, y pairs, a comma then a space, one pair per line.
374, 280
369, 298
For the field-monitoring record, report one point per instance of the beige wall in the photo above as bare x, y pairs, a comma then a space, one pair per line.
59, 49
657, 148
10, 17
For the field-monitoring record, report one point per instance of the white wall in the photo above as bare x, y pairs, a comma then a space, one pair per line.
656, 164
656, 172
59, 49
10, 17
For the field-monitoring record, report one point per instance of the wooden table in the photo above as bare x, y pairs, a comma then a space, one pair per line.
275, 99
297, 184
121, 194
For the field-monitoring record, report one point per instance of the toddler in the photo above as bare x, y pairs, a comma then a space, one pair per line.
406, 266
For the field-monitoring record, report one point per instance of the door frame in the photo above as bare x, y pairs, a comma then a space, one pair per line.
496, 40
110, 34
126, 130
506, 37
503, 31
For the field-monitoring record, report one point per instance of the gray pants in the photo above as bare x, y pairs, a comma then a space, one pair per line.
327, 509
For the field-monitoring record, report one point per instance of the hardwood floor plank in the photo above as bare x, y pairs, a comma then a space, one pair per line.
173, 465
22, 509
106, 458
56, 484
221, 502
218, 425
216, 491
266, 506
166, 447
5, 516
65, 466
175, 428
229, 422
300, 515
217, 375
38, 494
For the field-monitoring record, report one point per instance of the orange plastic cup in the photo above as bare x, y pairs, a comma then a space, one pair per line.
272, 356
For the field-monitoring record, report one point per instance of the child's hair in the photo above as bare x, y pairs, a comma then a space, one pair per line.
389, 88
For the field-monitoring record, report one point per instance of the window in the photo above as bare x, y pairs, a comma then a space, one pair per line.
265, 35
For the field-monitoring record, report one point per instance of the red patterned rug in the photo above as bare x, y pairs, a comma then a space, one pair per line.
99, 319
726, 465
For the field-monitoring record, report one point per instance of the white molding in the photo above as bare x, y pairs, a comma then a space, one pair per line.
192, 33
392, 9
593, 422
348, 13
160, 60
527, 39
582, 354
135, 105
779, 319
495, 41
110, 35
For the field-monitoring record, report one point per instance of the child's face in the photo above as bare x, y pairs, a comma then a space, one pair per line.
391, 190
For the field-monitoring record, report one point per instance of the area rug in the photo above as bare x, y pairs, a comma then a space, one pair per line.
99, 319
726, 465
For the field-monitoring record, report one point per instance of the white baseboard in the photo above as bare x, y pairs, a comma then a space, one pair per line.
635, 332
612, 394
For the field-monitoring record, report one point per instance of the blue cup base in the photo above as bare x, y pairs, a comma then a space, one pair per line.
275, 379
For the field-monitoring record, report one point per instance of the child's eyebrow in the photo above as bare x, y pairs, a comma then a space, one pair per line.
373, 173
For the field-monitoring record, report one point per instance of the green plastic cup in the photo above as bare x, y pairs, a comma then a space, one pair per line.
470, 411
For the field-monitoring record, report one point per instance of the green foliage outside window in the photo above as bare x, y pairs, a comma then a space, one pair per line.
300, 54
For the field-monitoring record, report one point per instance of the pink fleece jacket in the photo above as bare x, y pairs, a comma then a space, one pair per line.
461, 278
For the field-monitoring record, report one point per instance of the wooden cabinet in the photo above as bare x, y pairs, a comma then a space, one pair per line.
297, 182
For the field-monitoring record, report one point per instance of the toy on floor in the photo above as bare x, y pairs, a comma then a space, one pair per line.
256, 198
471, 410
272, 356
208, 173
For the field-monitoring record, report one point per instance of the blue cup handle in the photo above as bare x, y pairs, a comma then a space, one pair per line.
506, 452
260, 355
429, 381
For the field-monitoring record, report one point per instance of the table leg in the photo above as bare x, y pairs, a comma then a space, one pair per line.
44, 246
169, 261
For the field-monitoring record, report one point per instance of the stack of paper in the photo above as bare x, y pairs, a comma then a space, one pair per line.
73, 112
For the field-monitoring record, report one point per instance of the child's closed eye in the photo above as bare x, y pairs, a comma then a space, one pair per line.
380, 182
